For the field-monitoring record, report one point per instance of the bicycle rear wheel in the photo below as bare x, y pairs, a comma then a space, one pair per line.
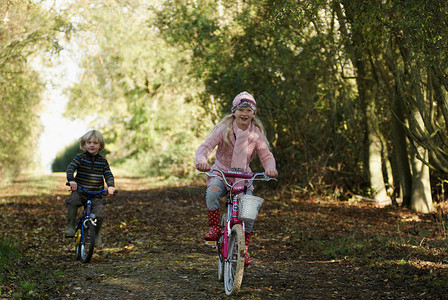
234, 266
87, 243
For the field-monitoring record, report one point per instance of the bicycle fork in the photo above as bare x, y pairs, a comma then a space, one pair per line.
88, 217
232, 210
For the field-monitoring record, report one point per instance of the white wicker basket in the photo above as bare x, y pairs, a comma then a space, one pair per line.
249, 207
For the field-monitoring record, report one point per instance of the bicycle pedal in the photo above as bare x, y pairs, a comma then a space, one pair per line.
210, 243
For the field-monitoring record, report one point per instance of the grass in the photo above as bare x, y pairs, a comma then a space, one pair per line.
405, 248
33, 185
19, 282
401, 256
8, 254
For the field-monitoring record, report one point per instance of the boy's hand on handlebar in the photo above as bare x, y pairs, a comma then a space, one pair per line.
203, 167
73, 185
110, 190
271, 173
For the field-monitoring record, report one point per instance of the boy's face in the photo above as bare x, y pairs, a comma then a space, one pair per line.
92, 146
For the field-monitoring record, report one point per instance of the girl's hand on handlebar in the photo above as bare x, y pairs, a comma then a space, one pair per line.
110, 190
271, 173
73, 185
203, 167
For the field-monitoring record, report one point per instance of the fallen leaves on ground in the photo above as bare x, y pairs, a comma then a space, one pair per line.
303, 248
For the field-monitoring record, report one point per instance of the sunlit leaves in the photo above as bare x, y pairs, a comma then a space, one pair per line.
143, 86
26, 30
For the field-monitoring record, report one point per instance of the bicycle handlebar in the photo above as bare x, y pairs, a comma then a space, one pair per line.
251, 177
104, 192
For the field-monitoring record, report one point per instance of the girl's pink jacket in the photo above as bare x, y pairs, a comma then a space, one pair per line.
256, 144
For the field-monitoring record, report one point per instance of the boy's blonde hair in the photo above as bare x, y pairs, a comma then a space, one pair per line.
92, 134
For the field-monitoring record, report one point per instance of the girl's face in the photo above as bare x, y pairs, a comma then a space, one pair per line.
92, 146
243, 117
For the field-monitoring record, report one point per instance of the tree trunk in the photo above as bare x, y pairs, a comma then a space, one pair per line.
401, 152
399, 140
421, 198
367, 98
375, 154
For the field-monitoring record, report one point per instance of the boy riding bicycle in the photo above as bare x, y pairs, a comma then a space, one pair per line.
91, 170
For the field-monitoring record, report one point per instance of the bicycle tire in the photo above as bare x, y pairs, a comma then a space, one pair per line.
78, 244
219, 247
88, 243
234, 266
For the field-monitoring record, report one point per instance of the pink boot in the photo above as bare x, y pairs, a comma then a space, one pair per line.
247, 236
214, 230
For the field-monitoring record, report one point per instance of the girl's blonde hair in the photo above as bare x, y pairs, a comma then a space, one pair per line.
92, 134
228, 121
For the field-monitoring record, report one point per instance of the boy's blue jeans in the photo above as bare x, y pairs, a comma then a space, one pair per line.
215, 190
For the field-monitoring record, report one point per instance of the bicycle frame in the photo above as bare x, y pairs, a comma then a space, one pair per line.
232, 211
87, 214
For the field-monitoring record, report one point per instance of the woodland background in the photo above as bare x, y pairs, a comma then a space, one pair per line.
353, 93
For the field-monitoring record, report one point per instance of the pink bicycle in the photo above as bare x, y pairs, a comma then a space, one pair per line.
240, 207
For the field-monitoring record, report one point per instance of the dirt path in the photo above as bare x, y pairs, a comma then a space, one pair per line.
154, 249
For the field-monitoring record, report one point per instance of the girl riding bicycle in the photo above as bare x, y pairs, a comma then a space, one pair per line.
90, 168
238, 136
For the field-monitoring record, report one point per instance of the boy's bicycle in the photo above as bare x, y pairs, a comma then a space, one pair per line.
85, 230
240, 207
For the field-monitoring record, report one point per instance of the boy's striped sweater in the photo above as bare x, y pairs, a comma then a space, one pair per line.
90, 171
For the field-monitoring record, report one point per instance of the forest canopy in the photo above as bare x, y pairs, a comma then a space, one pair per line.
353, 94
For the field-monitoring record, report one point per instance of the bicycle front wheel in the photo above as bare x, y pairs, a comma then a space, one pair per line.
220, 260
78, 244
219, 247
87, 242
234, 265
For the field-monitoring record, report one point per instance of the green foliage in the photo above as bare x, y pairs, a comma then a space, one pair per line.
425, 40
65, 157
292, 68
151, 122
19, 123
404, 46
25, 30
296, 57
